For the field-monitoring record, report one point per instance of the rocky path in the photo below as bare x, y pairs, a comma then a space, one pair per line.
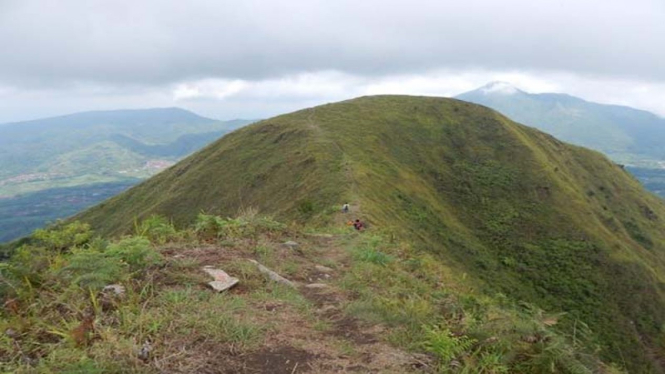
306, 329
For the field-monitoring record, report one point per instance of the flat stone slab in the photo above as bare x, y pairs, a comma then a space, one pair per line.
317, 285
325, 236
115, 289
272, 275
323, 269
222, 281
291, 244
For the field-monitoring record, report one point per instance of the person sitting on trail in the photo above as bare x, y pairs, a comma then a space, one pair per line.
358, 225
345, 208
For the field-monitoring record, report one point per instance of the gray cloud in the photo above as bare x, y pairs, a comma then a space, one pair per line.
157, 42
255, 58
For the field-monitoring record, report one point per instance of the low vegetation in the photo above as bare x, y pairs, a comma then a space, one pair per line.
381, 296
522, 214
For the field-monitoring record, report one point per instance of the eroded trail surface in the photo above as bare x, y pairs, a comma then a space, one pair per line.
276, 328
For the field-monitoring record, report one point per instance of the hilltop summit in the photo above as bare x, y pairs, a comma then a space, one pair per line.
500, 88
522, 213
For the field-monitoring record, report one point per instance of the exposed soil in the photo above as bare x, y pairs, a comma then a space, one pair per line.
280, 360
322, 339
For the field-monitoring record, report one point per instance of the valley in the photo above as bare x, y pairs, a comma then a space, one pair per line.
86, 156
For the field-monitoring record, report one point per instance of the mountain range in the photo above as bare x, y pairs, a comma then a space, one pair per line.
627, 135
524, 216
84, 156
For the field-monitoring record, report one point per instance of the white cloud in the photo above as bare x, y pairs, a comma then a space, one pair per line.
234, 98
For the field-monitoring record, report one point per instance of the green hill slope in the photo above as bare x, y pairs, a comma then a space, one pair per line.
522, 213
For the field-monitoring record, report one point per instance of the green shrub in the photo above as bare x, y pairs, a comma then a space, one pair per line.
91, 268
157, 229
63, 237
208, 226
137, 252
444, 344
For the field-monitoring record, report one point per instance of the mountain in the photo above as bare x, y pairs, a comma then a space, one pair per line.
522, 214
626, 135
99, 150
102, 146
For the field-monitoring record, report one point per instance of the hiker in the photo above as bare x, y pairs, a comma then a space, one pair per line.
345, 208
358, 225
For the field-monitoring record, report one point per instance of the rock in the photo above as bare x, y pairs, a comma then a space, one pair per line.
317, 285
291, 244
144, 353
222, 281
324, 236
272, 275
114, 290
11, 333
323, 269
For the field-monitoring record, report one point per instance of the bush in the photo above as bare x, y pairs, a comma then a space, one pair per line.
157, 229
208, 226
91, 268
444, 344
136, 252
63, 237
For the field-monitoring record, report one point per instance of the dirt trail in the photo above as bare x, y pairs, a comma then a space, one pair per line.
316, 338
354, 197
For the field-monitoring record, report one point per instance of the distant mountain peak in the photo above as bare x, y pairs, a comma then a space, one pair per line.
498, 87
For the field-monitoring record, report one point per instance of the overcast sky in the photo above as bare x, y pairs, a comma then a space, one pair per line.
254, 59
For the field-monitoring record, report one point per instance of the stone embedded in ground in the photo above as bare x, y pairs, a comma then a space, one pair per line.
325, 236
144, 353
114, 289
291, 244
272, 275
222, 281
323, 269
317, 285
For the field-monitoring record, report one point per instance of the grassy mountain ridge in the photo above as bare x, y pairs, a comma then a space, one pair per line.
519, 211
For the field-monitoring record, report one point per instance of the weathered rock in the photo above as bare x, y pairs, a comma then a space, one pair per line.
114, 290
222, 281
273, 276
291, 244
11, 333
144, 353
324, 236
317, 285
323, 269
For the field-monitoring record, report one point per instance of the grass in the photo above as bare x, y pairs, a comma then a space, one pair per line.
514, 210
382, 281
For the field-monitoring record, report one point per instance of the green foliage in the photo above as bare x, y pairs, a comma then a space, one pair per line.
467, 333
370, 251
90, 268
209, 227
63, 236
504, 204
157, 229
136, 252
446, 346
